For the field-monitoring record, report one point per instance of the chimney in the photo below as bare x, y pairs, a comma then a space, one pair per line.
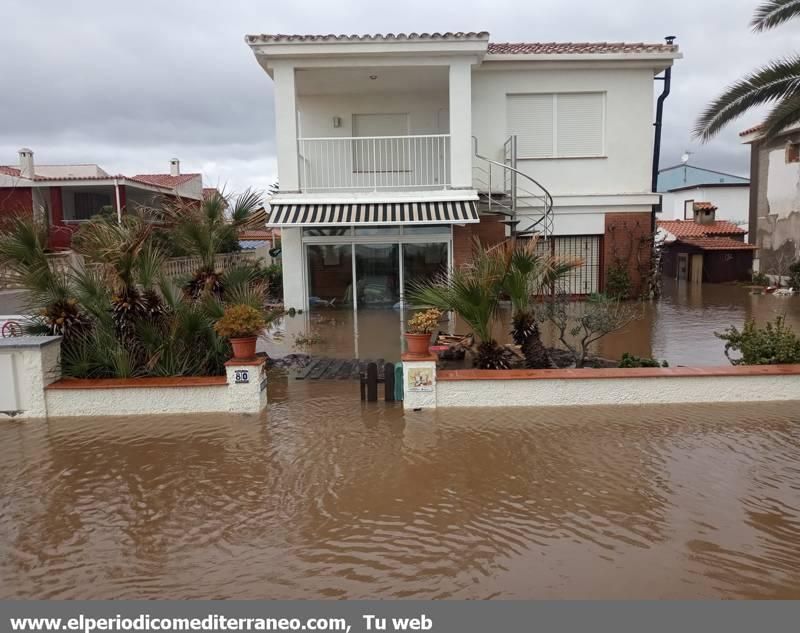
26, 169
174, 167
704, 213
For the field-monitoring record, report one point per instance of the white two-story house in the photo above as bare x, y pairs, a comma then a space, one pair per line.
396, 151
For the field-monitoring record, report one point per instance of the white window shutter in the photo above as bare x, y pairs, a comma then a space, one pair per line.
530, 117
579, 127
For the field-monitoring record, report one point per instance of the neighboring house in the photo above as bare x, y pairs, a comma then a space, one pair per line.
774, 198
262, 242
682, 185
704, 249
66, 195
381, 182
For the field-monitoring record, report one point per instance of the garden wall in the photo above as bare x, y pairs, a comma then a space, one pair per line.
31, 387
425, 387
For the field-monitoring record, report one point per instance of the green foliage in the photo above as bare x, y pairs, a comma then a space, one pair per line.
776, 83
618, 282
794, 275
119, 316
774, 344
760, 279
239, 321
424, 322
581, 324
629, 360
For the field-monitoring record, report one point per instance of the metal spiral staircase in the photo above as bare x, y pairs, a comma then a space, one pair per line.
505, 190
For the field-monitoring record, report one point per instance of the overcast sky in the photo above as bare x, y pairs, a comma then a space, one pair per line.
130, 85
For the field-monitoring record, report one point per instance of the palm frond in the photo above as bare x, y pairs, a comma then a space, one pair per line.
777, 81
772, 13
786, 113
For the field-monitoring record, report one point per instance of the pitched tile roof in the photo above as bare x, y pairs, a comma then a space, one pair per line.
704, 206
719, 244
9, 171
259, 234
376, 37
164, 180
572, 48
688, 228
750, 130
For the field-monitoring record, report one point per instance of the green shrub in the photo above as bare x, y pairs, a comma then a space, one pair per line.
618, 282
629, 360
794, 275
240, 321
774, 344
760, 279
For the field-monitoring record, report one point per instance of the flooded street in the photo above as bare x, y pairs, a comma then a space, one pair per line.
679, 328
322, 496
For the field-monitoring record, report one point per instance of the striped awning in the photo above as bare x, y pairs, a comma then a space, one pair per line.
433, 212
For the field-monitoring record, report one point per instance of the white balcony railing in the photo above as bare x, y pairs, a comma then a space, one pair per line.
374, 162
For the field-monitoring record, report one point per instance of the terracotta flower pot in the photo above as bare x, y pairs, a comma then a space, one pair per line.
417, 343
244, 348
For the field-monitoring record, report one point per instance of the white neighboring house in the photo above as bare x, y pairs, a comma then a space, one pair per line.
683, 185
394, 151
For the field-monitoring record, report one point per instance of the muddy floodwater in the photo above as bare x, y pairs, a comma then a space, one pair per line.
679, 328
323, 497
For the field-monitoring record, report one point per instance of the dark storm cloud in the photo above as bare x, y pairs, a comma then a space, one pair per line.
131, 85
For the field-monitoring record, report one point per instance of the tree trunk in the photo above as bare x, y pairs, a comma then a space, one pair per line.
534, 351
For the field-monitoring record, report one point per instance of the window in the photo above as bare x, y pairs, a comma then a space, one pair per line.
563, 125
688, 209
88, 204
379, 155
792, 152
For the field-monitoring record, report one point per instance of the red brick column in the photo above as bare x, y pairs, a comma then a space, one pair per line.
627, 243
489, 231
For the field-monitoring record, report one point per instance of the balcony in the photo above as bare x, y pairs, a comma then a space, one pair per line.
374, 163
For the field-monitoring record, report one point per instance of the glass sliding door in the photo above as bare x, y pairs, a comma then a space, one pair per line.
330, 275
377, 275
422, 262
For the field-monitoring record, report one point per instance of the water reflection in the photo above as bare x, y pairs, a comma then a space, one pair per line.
325, 497
679, 328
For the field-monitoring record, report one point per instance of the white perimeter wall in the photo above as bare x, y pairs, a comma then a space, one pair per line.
628, 126
602, 391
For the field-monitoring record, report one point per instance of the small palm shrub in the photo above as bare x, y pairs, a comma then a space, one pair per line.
240, 321
774, 344
424, 322
629, 360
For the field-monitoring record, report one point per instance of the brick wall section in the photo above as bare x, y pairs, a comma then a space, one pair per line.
15, 201
489, 231
627, 240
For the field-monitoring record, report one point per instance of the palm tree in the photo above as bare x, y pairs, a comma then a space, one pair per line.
473, 292
529, 274
202, 230
778, 83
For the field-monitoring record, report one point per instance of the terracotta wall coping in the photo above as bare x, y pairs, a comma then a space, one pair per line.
418, 357
246, 362
139, 383
637, 372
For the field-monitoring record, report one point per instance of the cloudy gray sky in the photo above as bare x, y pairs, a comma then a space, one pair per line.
129, 85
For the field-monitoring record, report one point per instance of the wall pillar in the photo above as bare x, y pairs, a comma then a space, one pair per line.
286, 127
56, 206
293, 266
28, 364
247, 385
460, 124
419, 381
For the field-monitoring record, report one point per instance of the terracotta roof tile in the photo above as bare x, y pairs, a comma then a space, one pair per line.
571, 48
718, 244
750, 130
688, 228
376, 37
704, 206
9, 171
164, 180
259, 234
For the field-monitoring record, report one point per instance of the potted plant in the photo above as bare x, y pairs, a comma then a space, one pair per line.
420, 328
241, 324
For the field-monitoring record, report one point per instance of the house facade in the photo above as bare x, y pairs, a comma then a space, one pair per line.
64, 196
774, 198
396, 151
683, 185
